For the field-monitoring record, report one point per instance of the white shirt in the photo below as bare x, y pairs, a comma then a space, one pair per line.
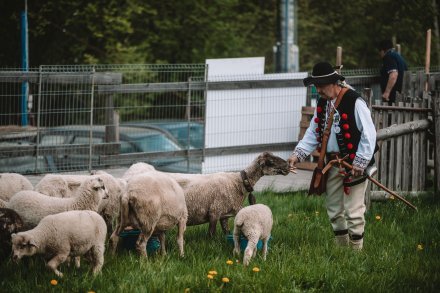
364, 124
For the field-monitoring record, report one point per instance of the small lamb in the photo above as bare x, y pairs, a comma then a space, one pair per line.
255, 223
33, 206
64, 235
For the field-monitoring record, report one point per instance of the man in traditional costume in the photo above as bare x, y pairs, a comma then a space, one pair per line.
353, 137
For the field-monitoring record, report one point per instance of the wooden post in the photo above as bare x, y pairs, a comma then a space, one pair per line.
399, 152
367, 95
406, 172
338, 58
436, 120
384, 151
427, 57
416, 144
111, 121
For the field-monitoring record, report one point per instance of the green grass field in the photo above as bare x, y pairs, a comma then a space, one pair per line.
401, 254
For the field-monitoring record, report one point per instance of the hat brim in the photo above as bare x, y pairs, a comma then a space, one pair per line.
322, 80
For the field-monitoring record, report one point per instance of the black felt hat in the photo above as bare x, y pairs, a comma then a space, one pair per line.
323, 73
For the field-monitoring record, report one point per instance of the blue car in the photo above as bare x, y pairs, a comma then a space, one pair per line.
131, 140
189, 134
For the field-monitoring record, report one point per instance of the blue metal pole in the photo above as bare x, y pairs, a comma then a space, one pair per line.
24, 66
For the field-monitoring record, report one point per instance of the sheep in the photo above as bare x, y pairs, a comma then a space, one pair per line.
32, 206
11, 183
58, 185
136, 169
64, 235
10, 222
218, 196
255, 223
153, 203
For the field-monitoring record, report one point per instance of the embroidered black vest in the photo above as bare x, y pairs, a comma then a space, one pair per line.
348, 136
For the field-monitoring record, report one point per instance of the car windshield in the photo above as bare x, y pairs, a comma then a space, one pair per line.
155, 143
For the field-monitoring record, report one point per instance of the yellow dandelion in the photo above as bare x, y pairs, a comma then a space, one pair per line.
229, 262
90, 291
187, 290
212, 272
54, 282
210, 277
378, 217
420, 247
256, 269
225, 280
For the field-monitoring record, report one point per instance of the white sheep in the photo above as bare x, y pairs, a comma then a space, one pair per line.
11, 183
255, 223
56, 185
65, 185
64, 235
137, 168
32, 206
218, 196
153, 203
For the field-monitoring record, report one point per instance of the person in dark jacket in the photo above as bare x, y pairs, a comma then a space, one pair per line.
391, 73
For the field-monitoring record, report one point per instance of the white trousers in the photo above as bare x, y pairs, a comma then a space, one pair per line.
345, 211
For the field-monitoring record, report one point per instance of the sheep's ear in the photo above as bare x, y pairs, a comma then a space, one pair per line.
93, 172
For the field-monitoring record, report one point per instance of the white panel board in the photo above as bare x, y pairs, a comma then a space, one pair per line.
250, 116
235, 66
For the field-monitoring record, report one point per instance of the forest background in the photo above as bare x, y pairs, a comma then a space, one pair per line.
190, 31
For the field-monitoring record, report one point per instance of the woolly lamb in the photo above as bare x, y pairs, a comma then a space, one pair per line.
218, 196
11, 183
32, 206
154, 203
64, 235
255, 223
136, 169
10, 222
58, 185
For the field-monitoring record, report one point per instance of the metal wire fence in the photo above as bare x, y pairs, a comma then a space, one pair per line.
63, 118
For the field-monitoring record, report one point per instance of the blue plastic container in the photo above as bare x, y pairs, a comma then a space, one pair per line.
130, 237
244, 242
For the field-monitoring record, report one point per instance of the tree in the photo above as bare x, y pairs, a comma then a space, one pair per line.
191, 31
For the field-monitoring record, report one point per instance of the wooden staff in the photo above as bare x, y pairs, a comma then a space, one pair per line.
344, 163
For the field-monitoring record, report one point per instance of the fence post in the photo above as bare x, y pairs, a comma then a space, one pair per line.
436, 119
